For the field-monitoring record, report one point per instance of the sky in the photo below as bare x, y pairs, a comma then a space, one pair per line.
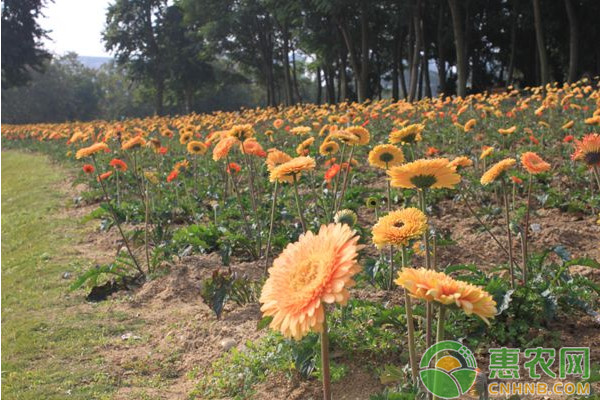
75, 25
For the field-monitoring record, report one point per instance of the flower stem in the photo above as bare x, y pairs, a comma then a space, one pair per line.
116, 218
325, 360
439, 335
337, 179
242, 208
525, 232
596, 175
429, 315
509, 235
298, 206
273, 204
410, 326
345, 185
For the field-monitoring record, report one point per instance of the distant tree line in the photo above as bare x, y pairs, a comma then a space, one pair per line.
290, 51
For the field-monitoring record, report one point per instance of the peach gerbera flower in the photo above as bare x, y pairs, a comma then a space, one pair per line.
292, 168
93, 149
398, 227
436, 286
461, 162
134, 143
222, 148
315, 270
534, 163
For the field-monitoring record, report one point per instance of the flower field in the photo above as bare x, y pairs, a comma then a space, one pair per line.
347, 239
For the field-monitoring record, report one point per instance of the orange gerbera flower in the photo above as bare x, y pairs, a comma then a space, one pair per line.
588, 150
361, 133
408, 135
422, 174
133, 143
278, 123
398, 227
332, 172
469, 125
315, 270
292, 168
461, 162
88, 168
93, 149
508, 131
436, 286
173, 175
104, 176
233, 168
329, 148
221, 150
534, 163
497, 170
118, 164
252, 147
242, 132
303, 148
486, 151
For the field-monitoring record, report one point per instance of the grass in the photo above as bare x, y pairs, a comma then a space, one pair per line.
50, 337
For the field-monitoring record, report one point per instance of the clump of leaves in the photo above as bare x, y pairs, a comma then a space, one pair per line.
196, 239
228, 285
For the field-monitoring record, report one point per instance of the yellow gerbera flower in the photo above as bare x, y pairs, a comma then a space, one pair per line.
386, 156
407, 135
93, 149
497, 170
291, 168
197, 148
422, 174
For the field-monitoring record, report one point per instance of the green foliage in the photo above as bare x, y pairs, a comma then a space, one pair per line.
198, 238
227, 285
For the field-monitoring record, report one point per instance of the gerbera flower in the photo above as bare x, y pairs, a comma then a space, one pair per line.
497, 170
104, 176
302, 148
93, 149
278, 123
88, 168
595, 120
344, 137
332, 172
422, 174
508, 131
173, 175
361, 133
516, 180
292, 168
486, 151
372, 202
568, 125
345, 216
242, 132
151, 176
185, 137
386, 156
469, 125
196, 148
133, 143
461, 162
436, 286
276, 157
568, 138
252, 147
301, 130
221, 150
329, 148
408, 135
588, 150
315, 270
431, 151
233, 168
118, 164
534, 163
399, 227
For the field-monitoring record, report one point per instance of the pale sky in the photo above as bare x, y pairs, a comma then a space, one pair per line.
75, 25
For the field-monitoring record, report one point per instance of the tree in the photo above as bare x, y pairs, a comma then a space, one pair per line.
22, 51
459, 43
541, 44
132, 32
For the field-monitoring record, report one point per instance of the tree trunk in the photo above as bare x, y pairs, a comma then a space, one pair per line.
414, 68
573, 41
459, 43
425, 63
319, 89
541, 44
343, 78
364, 49
395, 57
513, 44
285, 57
401, 69
295, 76
160, 89
441, 59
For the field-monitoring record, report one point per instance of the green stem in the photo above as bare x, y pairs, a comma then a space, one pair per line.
429, 317
410, 325
509, 235
440, 335
325, 372
525, 232
273, 204
298, 206
345, 185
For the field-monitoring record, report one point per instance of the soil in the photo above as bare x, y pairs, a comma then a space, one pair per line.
180, 336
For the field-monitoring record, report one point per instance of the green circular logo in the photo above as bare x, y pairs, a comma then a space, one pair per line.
448, 369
